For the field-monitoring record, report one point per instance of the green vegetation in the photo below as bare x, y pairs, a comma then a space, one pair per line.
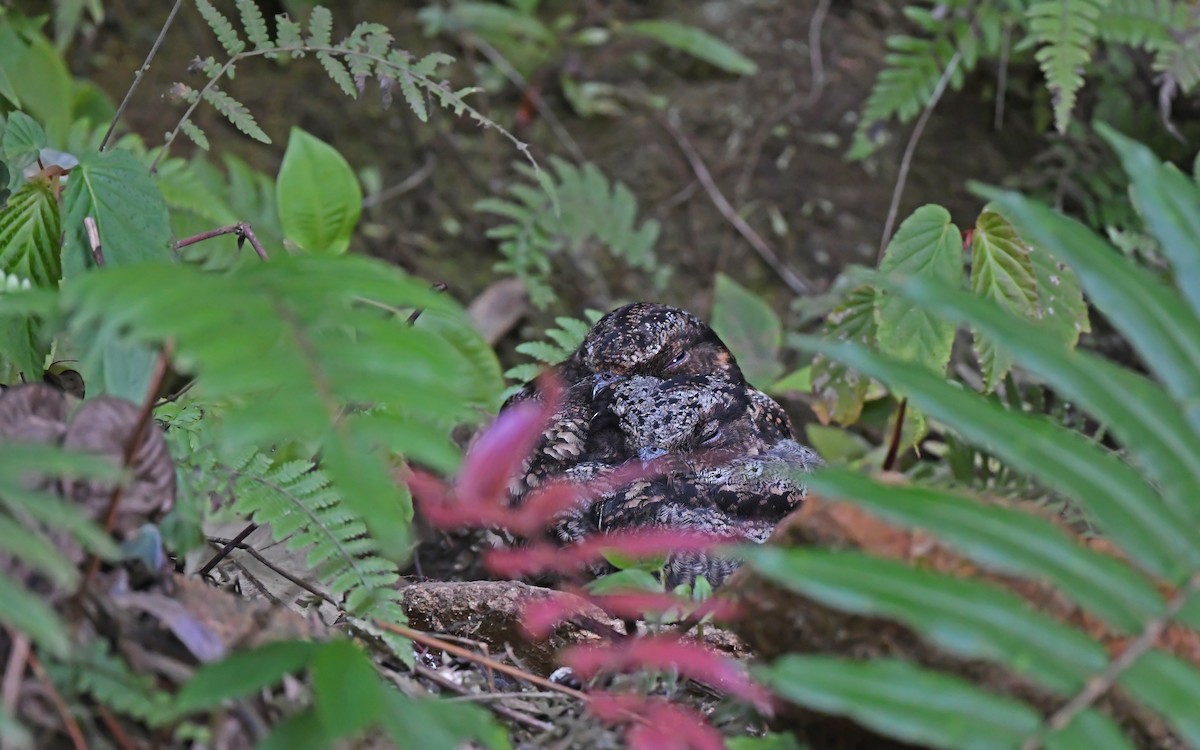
300, 385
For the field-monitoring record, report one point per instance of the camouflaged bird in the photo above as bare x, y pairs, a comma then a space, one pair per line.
742, 498
640, 339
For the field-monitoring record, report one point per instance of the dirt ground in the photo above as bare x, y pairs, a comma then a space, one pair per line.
774, 142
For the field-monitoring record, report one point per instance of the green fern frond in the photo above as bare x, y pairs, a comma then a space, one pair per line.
581, 208
236, 112
1066, 31
254, 24
338, 72
195, 134
226, 34
320, 27
1140, 23
564, 340
289, 34
94, 672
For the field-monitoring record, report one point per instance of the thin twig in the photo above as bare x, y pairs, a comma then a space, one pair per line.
115, 729
500, 709
795, 282
443, 645
64, 713
1103, 682
409, 184
910, 149
14, 671
131, 449
1002, 78
93, 235
243, 231
438, 286
560, 131
894, 443
814, 51
230, 545
137, 75
234, 543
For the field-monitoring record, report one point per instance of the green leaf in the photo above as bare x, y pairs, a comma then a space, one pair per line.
797, 381
903, 701
1140, 414
1155, 537
1001, 270
1170, 203
439, 725
1008, 540
40, 79
970, 618
115, 189
482, 379
300, 731
12, 734
37, 553
632, 579
349, 694
28, 613
29, 235
1151, 315
221, 26
927, 244
23, 141
1061, 307
695, 42
749, 327
242, 673
1168, 685
1089, 729
318, 196
841, 391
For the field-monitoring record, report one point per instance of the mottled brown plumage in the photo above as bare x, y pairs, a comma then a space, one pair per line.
642, 338
742, 498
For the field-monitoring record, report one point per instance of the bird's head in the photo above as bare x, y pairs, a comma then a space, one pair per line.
655, 340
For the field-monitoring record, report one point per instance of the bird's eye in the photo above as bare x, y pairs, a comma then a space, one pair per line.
710, 433
679, 360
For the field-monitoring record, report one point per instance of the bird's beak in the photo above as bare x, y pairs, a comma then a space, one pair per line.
602, 380
646, 455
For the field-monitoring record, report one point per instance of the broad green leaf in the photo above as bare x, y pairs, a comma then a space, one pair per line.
1169, 685
115, 189
28, 613
349, 694
1156, 538
969, 618
1153, 317
1061, 307
300, 731
319, 197
19, 347
40, 79
797, 381
1137, 410
749, 327
1002, 271
23, 140
841, 391
242, 673
695, 42
927, 244
767, 742
431, 724
1008, 540
1170, 203
903, 701
633, 579
7, 91
29, 235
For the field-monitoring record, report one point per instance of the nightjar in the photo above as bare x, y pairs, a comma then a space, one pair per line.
639, 339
